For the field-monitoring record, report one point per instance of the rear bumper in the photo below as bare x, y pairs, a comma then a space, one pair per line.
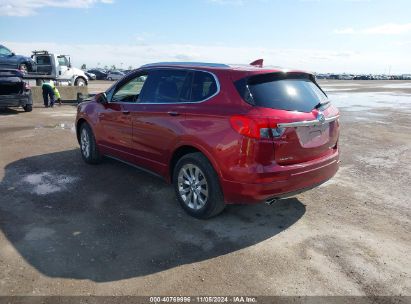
15, 100
286, 181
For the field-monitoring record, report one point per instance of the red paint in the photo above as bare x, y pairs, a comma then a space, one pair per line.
250, 168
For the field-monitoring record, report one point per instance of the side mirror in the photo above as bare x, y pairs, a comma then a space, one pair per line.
101, 98
12, 54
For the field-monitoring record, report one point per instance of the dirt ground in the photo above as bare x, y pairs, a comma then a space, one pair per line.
67, 228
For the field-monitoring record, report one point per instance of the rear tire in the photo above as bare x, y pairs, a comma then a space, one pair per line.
197, 186
28, 108
88, 147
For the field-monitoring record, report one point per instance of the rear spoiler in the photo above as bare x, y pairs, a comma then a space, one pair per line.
257, 63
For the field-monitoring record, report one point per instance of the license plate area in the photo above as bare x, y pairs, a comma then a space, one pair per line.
313, 136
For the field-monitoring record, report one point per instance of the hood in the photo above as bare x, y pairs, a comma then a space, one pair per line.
22, 58
78, 71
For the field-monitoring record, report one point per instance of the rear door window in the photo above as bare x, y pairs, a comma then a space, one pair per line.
292, 92
164, 86
178, 85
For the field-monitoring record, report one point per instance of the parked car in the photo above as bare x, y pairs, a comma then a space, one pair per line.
100, 74
90, 76
115, 75
9, 60
14, 91
220, 134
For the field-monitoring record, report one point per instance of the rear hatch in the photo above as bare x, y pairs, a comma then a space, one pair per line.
11, 82
294, 113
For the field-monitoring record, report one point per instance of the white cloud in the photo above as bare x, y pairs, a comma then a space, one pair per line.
319, 60
30, 7
385, 29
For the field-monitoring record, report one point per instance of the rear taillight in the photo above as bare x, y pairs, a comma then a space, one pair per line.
256, 127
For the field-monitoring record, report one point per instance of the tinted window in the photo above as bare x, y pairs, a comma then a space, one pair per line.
292, 92
164, 86
43, 60
203, 87
130, 90
198, 87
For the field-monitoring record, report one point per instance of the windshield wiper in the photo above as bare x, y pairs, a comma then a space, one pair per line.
322, 103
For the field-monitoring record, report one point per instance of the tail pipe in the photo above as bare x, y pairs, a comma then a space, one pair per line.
272, 201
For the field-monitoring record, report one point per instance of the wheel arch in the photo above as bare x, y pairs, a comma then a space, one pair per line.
79, 123
80, 77
185, 149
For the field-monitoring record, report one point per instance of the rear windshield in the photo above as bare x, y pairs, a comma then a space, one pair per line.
43, 60
291, 92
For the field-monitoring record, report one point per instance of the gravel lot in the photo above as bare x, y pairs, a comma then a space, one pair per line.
67, 228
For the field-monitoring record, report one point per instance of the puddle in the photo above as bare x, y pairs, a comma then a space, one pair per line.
62, 126
46, 183
368, 101
398, 86
38, 233
340, 84
333, 90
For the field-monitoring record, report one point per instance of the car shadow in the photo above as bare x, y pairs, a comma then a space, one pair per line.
9, 111
111, 221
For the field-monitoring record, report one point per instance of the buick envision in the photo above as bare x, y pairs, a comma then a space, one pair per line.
221, 134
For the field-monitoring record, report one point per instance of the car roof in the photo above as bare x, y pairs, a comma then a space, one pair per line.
220, 66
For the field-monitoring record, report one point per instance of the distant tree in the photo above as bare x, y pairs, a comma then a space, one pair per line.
106, 67
113, 67
83, 66
130, 67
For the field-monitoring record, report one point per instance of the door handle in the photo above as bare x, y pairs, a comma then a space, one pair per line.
126, 112
173, 113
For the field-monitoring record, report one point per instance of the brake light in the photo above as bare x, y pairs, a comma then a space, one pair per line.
256, 127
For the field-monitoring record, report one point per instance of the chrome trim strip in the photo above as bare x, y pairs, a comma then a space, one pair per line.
307, 123
177, 103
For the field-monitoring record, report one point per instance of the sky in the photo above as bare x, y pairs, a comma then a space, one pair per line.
339, 36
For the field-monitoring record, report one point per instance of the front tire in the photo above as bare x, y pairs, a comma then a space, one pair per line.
23, 67
28, 108
80, 82
197, 186
88, 146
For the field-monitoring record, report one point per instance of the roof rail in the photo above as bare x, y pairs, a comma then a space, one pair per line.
196, 64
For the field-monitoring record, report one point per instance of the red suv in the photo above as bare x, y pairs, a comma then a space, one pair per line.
221, 134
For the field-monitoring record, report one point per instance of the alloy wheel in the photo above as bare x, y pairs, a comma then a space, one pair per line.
192, 186
85, 143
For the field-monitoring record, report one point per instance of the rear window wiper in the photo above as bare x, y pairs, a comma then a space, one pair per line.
321, 104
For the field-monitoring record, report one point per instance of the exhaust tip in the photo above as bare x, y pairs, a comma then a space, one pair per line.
271, 201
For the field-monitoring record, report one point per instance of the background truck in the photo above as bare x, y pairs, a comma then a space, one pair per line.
56, 67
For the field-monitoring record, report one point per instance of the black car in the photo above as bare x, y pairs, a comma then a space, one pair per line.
100, 75
9, 60
14, 91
